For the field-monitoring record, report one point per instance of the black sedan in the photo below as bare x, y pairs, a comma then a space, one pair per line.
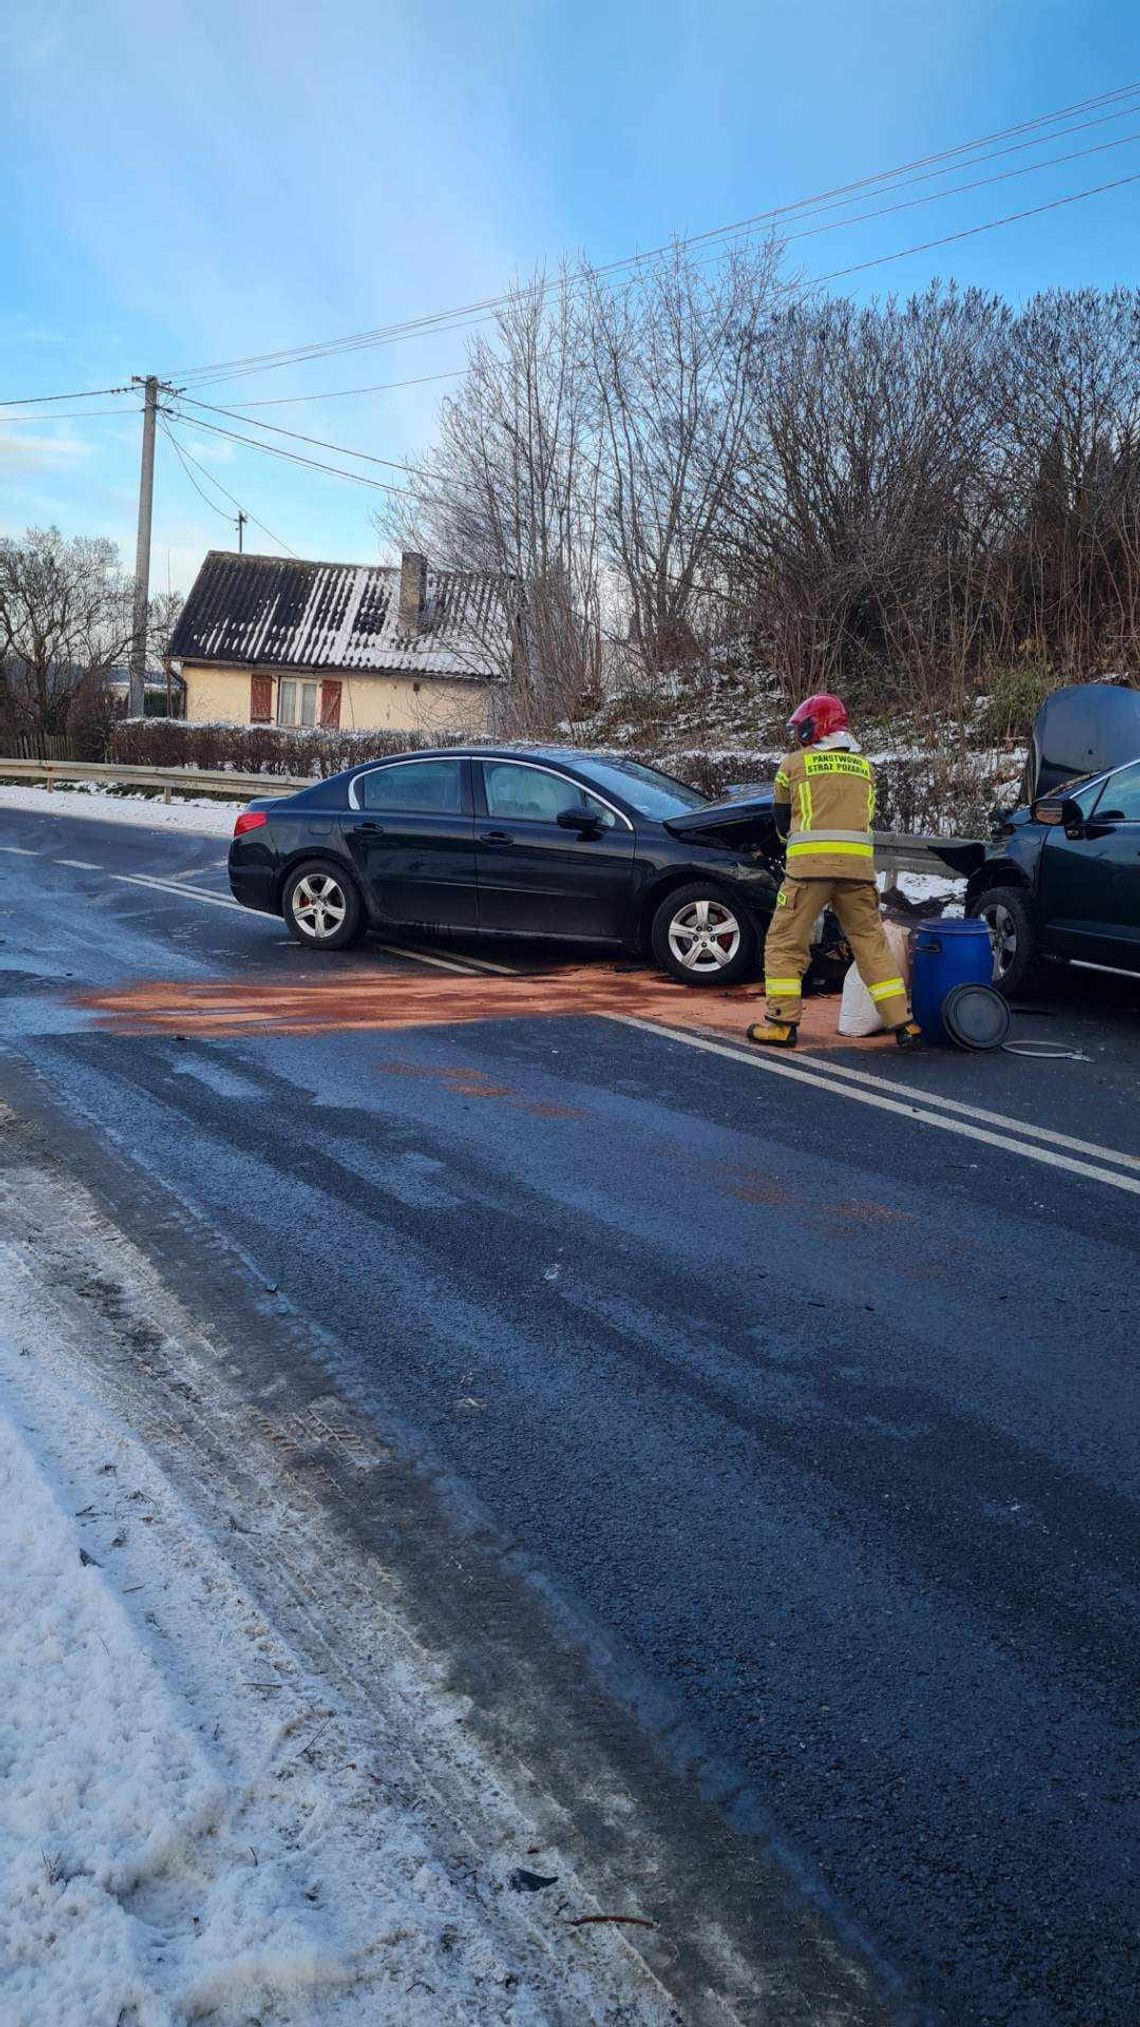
1062, 880
552, 843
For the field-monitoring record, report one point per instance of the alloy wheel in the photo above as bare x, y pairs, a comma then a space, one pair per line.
704, 936
319, 905
1003, 937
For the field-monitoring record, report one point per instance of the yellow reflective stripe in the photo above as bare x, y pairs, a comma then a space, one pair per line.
783, 988
782, 780
891, 988
822, 849
805, 806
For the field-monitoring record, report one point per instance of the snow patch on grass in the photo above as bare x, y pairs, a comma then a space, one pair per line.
198, 814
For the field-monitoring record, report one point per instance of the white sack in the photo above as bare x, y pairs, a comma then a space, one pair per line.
858, 1014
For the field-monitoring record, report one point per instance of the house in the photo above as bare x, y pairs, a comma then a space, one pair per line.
362, 646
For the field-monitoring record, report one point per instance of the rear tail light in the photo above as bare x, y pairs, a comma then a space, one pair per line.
249, 820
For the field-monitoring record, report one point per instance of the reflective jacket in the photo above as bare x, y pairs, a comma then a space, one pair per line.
824, 806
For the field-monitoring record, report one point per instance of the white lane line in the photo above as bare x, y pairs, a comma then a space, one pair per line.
19, 851
798, 1074
964, 1111
183, 893
423, 957
83, 865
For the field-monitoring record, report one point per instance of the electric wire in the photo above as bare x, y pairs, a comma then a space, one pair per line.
80, 394
69, 415
186, 458
390, 333
359, 478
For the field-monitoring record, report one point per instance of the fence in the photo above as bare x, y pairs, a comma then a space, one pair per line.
38, 745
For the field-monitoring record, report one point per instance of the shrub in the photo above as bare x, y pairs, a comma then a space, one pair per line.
252, 749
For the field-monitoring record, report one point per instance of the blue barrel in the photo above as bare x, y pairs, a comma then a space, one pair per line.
946, 954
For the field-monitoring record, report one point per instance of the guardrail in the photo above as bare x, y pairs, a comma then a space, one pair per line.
895, 850
191, 780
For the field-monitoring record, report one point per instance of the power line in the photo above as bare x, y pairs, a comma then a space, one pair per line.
410, 492
971, 231
958, 189
288, 456
186, 458
446, 318
318, 442
81, 394
69, 415
341, 393
834, 225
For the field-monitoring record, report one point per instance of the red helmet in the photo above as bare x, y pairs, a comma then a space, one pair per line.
816, 717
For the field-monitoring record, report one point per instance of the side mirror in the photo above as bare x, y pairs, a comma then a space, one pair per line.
1058, 809
578, 819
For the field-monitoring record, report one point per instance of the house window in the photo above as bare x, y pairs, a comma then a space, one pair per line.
296, 702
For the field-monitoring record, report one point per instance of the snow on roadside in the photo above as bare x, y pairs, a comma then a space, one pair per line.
201, 815
188, 1829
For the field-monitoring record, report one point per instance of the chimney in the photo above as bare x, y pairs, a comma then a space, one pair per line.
413, 586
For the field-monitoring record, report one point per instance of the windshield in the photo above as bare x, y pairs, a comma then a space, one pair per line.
645, 790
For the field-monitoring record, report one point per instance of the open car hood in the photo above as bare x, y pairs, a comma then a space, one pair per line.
1084, 729
746, 821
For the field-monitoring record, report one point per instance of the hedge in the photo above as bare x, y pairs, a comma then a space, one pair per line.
916, 792
252, 749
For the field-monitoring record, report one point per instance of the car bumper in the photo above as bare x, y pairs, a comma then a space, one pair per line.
255, 886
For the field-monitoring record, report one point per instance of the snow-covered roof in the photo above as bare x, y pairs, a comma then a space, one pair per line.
260, 611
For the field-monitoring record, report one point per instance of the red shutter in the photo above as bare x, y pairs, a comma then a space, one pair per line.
330, 704
261, 700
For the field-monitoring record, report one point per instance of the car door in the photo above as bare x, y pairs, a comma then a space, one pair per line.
535, 876
1090, 878
411, 836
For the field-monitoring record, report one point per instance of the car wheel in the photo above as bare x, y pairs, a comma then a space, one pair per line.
322, 907
702, 938
1013, 933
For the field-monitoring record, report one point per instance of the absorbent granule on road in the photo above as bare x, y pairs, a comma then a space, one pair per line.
232, 1007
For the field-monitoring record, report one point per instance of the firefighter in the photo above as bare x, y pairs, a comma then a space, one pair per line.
824, 804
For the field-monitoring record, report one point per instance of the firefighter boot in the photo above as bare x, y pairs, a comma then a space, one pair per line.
774, 1034
909, 1035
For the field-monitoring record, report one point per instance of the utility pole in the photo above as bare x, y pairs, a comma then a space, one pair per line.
137, 665
242, 518
152, 387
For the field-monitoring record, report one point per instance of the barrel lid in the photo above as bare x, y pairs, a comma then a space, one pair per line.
953, 925
976, 1016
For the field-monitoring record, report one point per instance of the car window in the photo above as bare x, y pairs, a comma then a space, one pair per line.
1121, 792
515, 790
646, 789
429, 787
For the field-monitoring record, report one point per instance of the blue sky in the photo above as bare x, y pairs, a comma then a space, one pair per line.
203, 181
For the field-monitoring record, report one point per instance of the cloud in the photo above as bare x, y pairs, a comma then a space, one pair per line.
22, 452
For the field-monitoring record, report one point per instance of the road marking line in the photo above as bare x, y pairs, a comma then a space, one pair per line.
798, 1074
1031, 1131
184, 893
84, 865
19, 851
423, 957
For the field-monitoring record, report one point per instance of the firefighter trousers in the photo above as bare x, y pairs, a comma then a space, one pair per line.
787, 947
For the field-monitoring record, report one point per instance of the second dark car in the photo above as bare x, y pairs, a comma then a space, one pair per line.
554, 843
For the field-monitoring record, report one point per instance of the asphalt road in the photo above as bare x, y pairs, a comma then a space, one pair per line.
810, 1420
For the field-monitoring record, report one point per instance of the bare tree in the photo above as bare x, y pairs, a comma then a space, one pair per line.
510, 489
65, 620
674, 354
